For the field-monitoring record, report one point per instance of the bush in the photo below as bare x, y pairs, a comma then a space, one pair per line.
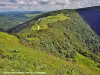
98, 66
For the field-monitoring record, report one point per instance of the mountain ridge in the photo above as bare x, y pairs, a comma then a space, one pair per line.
27, 24
63, 44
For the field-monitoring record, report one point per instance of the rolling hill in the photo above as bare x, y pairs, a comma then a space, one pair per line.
9, 20
15, 57
64, 30
58, 43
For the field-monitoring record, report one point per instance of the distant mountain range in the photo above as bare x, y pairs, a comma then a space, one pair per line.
11, 19
19, 12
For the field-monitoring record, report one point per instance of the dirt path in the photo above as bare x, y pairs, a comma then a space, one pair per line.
37, 24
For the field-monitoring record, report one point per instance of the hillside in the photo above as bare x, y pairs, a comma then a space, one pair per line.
9, 20
15, 57
61, 33
58, 43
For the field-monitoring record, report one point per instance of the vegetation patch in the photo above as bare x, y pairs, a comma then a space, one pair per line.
60, 39
15, 57
89, 63
43, 23
31, 15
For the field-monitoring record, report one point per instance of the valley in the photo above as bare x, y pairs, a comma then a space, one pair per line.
12, 19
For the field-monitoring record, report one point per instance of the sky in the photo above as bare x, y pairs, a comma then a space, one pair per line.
45, 5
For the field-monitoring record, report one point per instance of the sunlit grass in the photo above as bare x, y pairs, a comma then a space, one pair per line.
88, 62
31, 15
20, 58
50, 19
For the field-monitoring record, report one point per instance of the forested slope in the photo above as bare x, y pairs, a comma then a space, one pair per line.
58, 42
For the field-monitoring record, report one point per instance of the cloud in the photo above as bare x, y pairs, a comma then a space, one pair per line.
43, 3
13, 1
46, 4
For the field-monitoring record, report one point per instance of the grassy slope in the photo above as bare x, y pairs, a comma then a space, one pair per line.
31, 15
89, 63
50, 19
64, 38
2, 20
14, 55
62, 34
45, 31
7, 22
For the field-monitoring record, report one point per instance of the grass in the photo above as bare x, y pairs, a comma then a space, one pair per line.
15, 57
32, 39
85, 60
62, 39
7, 22
31, 15
88, 62
50, 19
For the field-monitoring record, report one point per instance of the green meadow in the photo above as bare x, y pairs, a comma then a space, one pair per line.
15, 57
43, 23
